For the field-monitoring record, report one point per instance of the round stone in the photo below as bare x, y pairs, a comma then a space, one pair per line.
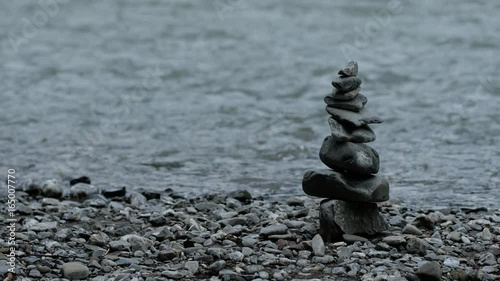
354, 158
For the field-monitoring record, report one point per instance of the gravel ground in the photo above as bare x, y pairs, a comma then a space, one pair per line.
84, 233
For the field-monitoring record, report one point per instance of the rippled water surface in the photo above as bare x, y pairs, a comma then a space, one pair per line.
202, 96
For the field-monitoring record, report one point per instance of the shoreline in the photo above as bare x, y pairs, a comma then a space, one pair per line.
235, 236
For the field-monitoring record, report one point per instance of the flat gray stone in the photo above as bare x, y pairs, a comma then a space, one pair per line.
357, 119
33, 224
318, 246
345, 96
173, 274
351, 238
75, 270
411, 229
333, 185
348, 133
346, 84
217, 265
339, 217
394, 240
273, 229
355, 104
119, 245
353, 158
351, 69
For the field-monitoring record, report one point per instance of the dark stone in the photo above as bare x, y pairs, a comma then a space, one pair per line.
417, 246
411, 277
346, 84
424, 221
355, 158
31, 188
328, 228
345, 96
115, 193
83, 179
348, 133
357, 119
430, 271
333, 185
355, 104
351, 69
241, 195
165, 255
150, 195
339, 217
174, 194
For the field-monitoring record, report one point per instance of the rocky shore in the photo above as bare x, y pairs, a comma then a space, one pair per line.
86, 233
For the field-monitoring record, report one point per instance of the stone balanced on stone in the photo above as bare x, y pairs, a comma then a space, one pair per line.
350, 185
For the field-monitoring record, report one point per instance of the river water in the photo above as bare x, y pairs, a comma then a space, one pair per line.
203, 96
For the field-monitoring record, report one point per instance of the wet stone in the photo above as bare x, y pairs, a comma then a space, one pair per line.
351, 69
355, 158
83, 179
345, 96
333, 185
241, 195
115, 193
339, 217
430, 271
356, 119
346, 133
346, 84
352, 101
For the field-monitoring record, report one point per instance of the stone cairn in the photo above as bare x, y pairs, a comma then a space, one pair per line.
350, 186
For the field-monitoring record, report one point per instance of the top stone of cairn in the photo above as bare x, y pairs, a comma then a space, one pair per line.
351, 69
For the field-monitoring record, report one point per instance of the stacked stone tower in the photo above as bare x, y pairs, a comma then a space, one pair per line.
351, 186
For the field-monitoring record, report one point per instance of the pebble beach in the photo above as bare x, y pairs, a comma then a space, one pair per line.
174, 140
83, 233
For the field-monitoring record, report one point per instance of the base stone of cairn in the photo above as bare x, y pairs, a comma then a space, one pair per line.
338, 217
351, 186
